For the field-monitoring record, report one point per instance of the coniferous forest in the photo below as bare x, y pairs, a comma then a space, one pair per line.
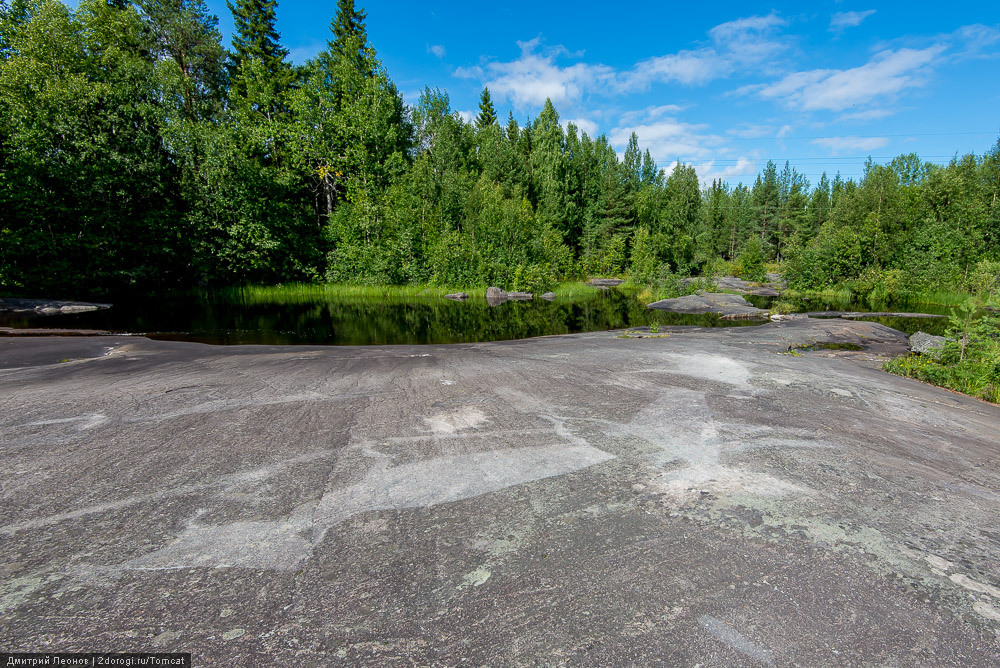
138, 154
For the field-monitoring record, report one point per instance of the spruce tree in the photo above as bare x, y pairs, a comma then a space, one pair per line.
350, 36
256, 36
257, 50
512, 130
487, 113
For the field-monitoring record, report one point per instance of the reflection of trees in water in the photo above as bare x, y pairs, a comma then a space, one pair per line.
376, 321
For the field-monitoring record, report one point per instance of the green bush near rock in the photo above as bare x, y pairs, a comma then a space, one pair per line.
969, 362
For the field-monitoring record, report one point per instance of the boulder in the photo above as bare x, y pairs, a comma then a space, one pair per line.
726, 305
739, 286
457, 296
927, 344
520, 296
605, 282
47, 306
495, 296
549, 296
732, 283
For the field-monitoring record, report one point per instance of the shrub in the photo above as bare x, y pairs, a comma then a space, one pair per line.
751, 261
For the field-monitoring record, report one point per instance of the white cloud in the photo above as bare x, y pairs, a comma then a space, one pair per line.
650, 113
843, 20
886, 75
750, 40
974, 41
474, 72
686, 67
536, 74
843, 144
739, 29
669, 139
735, 44
532, 78
867, 115
467, 115
436, 49
743, 167
583, 125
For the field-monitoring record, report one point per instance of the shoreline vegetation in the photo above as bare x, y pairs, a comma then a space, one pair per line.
317, 292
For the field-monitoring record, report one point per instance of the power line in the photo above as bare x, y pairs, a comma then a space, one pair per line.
905, 134
838, 158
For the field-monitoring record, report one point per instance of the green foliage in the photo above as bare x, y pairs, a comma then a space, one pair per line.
751, 261
644, 265
487, 112
969, 362
137, 154
879, 288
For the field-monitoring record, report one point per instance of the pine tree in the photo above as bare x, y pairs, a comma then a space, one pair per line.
487, 113
185, 32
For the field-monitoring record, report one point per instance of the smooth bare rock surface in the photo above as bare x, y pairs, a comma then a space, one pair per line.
549, 296
701, 498
520, 296
457, 296
710, 302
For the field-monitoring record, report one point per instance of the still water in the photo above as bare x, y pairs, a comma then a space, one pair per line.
221, 318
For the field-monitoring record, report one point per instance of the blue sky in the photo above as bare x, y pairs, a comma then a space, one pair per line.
722, 86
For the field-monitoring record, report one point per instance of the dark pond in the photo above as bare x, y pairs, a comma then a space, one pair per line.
369, 321
223, 319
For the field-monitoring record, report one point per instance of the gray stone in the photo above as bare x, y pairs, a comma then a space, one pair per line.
495, 296
457, 296
697, 498
732, 283
605, 282
927, 344
739, 286
520, 296
47, 306
726, 305
549, 296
